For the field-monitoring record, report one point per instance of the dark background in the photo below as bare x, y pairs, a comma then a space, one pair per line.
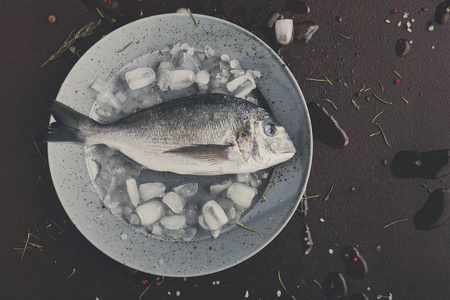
410, 264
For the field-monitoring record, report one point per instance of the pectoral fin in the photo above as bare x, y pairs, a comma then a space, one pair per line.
209, 153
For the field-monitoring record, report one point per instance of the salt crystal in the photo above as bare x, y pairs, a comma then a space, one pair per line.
387, 21
174, 202
405, 15
99, 85
330, 251
284, 31
408, 24
241, 194
409, 29
150, 212
431, 28
140, 78
151, 190
321, 220
399, 23
213, 283
123, 236
412, 20
432, 47
133, 191
368, 288
246, 294
217, 282
214, 215
180, 79
178, 293
173, 222
186, 190
168, 293
278, 293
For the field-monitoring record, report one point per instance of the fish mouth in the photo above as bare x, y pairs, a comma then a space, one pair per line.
290, 150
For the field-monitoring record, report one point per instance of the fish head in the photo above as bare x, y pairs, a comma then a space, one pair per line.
269, 143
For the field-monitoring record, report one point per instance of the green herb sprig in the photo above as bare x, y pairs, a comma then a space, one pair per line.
84, 31
28, 245
384, 101
245, 227
331, 102
281, 281
395, 222
320, 80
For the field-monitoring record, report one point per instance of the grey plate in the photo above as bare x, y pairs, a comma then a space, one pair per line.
141, 251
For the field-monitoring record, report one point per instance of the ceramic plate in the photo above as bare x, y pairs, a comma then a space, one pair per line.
140, 250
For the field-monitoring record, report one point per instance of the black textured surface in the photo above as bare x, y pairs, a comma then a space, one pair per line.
353, 46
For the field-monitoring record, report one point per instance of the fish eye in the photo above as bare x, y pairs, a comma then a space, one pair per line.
270, 129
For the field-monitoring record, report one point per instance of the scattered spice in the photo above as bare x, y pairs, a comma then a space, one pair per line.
71, 274
124, 47
384, 101
281, 281
398, 75
320, 80
381, 85
331, 102
394, 11
406, 101
192, 16
146, 290
376, 116
395, 222
28, 245
345, 37
245, 227
355, 105
378, 248
384, 135
134, 272
51, 19
84, 31
329, 192
397, 81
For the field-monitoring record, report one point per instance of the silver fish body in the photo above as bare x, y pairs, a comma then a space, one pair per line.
207, 134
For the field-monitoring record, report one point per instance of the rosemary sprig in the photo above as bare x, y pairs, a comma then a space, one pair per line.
192, 16
124, 47
320, 80
71, 274
395, 222
384, 101
344, 36
406, 101
99, 12
331, 102
40, 154
308, 197
146, 290
245, 227
398, 75
375, 133
376, 116
84, 31
329, 192
281, 281
318, 284
28, 245
264, 198
162, 53
355, 105
274, 181
384, 135
365, 88
381, 85
301, 283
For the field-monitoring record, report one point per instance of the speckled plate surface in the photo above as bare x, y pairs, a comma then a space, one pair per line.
142, 251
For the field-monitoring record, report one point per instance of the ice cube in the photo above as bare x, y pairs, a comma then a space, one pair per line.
202, 77
163, 74
252, 100
189, 50
107, 100
173, 222
138, 78
111, 201
211, 63
245, 88
150, 100
150, 212
189, 234
157, 229
255, 182
284, 31
217, 188
130, 106
231, 214
244, 177
151, 190
121, 97
133, 191
117, 211
174, 202
175, 49
99, 85
209, 52
214, 215
188, 62
134, 219
225, 203
186, 190
215, 233
225, 58
180, 79
235, 83
241, 194
175, 234
201, 222
191, 215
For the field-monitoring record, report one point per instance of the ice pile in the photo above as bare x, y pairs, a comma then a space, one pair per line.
164, 209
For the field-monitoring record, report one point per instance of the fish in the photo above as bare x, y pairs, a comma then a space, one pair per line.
208, 134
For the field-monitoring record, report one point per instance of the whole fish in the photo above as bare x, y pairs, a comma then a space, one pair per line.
208, 134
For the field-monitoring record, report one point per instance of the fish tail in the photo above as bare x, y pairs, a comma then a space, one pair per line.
70, 125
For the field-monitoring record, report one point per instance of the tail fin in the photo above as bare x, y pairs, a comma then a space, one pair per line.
70, 125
